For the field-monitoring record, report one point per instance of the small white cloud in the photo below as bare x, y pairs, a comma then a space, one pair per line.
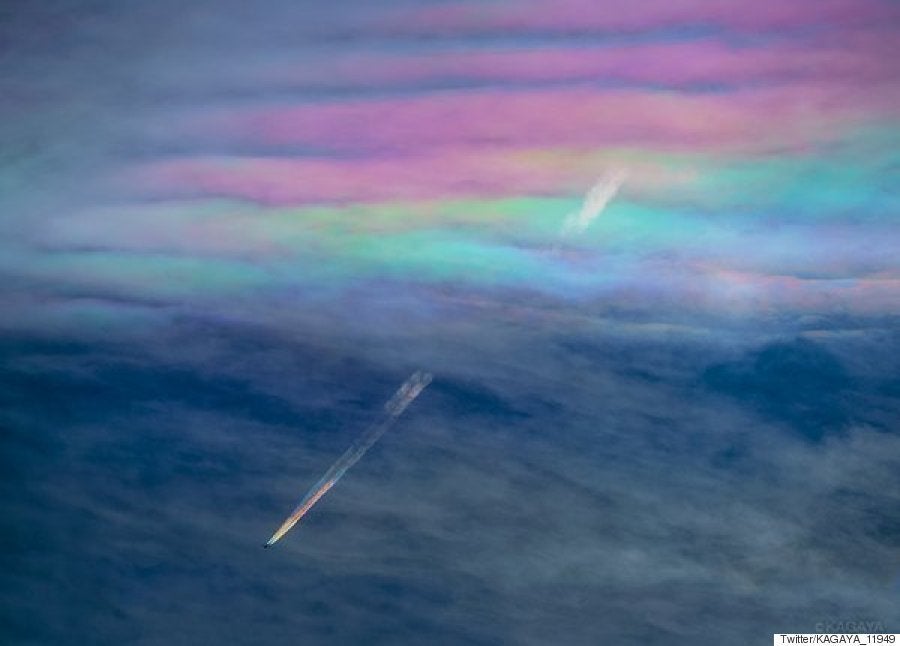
596, 200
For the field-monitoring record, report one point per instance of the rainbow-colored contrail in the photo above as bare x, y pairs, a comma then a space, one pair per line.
394, 408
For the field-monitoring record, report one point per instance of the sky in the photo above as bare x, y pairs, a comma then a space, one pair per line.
229, 231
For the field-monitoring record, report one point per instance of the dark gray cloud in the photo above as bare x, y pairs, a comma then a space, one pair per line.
797, 382
518, 507
803, 385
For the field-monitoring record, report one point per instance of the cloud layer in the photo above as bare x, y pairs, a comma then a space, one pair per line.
228, 232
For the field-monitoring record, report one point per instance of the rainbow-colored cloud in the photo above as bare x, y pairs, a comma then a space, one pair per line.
448, 147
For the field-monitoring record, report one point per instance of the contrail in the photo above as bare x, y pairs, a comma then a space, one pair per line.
595, 201
394, 408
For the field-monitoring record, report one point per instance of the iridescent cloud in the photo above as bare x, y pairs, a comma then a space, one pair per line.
760, 141
580, 16
579, 118
847, 60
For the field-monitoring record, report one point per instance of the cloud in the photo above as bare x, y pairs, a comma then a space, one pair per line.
801, 384
598, 490
581, 16
567, 117
230, 231
798, 382
600, 194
